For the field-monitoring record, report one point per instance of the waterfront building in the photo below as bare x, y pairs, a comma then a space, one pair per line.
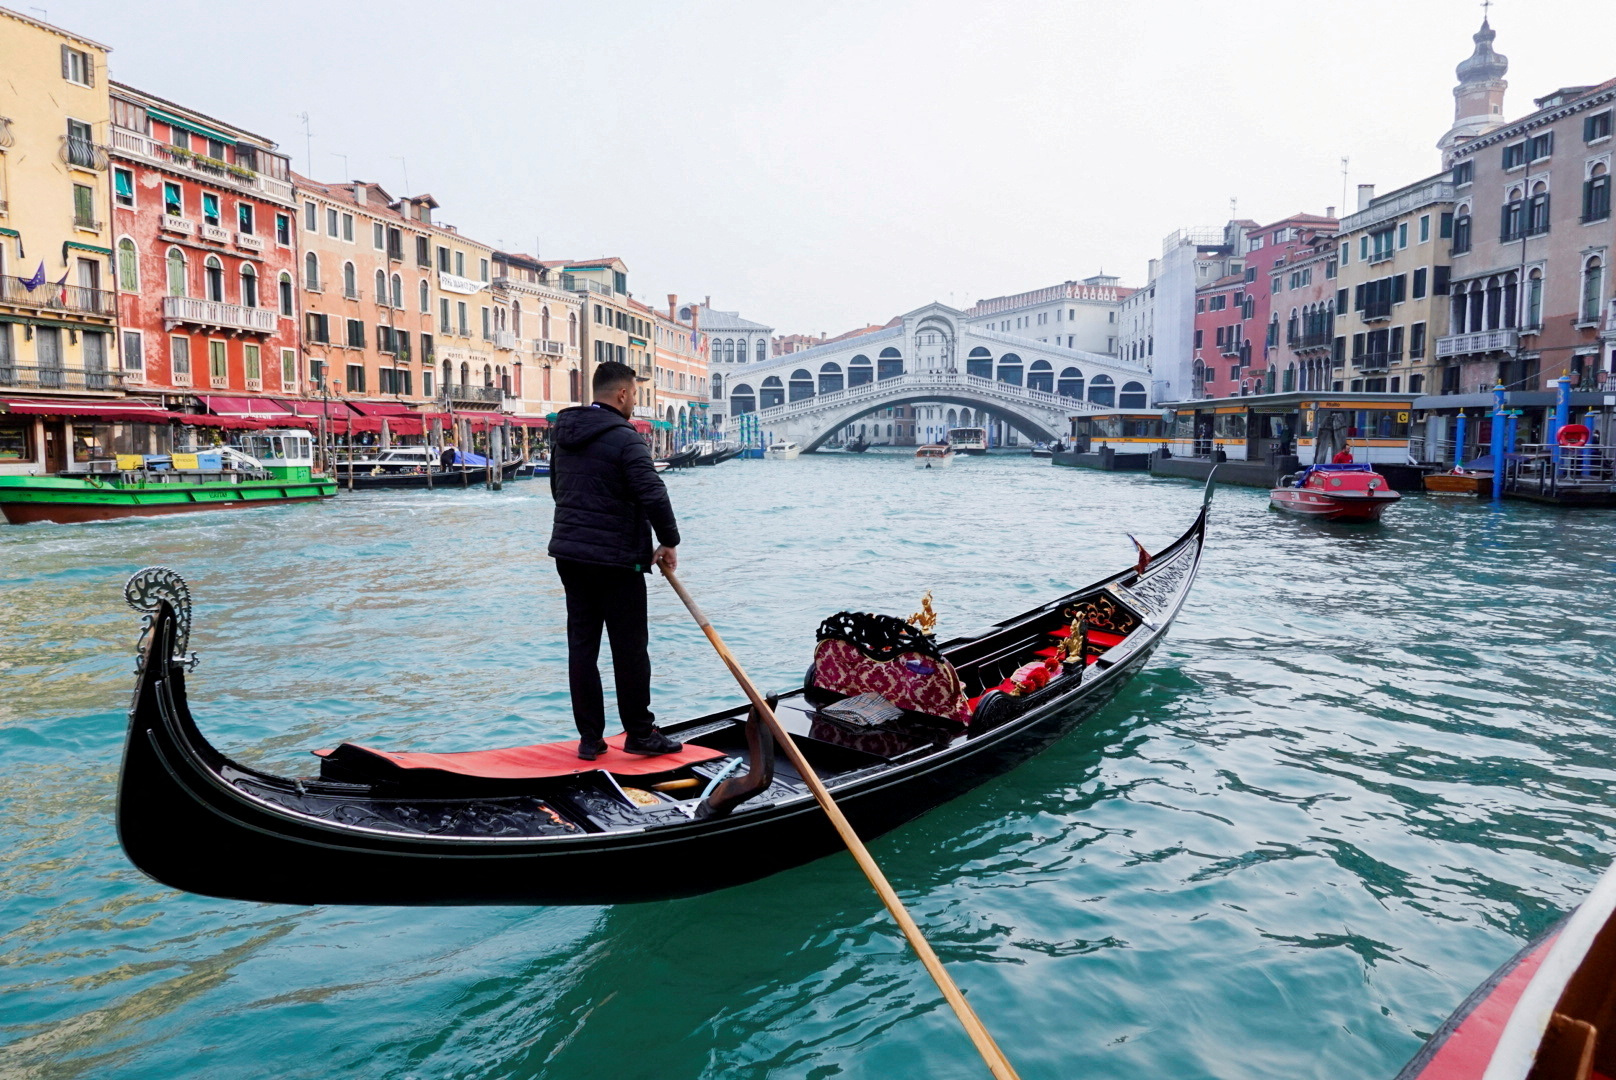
203, 214
368, 329
1267, 429
731, 342
546, 323
614, 328
786, 344
1391, 299
472, 374
1301, 323
1190, 259
1079, 315
681, 380
1136, 321
57, 312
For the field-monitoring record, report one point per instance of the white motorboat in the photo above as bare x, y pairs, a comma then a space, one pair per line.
935, 456
782, 450
968, 440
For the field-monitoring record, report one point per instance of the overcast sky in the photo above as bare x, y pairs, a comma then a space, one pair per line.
819, 165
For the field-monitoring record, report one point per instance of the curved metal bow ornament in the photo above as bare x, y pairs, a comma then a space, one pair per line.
145, 590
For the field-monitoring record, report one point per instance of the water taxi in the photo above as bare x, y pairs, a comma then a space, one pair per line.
968, 440
782, 450
1342, 492
935, 456
271, 466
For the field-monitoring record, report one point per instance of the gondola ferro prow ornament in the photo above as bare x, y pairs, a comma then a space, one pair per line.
145, 591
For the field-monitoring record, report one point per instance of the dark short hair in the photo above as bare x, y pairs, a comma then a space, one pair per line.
610, 374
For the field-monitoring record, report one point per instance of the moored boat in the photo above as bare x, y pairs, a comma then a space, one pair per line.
271, 466
782, 450
1334, 493
1471, 478
1043, 450
681, 459
934, 456
536, 825
1545, 1014
968, 440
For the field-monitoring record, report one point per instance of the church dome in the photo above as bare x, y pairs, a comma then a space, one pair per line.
1483, 65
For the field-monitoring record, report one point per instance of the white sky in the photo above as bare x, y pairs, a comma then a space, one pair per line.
821, 165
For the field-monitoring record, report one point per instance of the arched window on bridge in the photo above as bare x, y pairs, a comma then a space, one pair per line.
860, 371
772, 393
889, 365
1071, 383
761, 353
1010, 369
802, 384
830, 377
979, 363
1103, 392
741, 399
1041, 377
1133, 396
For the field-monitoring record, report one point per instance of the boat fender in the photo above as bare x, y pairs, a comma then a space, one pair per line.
1573, 435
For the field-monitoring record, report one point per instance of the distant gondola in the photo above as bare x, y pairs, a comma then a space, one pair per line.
534, 825
681, 459
453, 477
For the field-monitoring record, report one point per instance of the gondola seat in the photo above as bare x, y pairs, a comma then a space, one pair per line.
860, 653
350, 761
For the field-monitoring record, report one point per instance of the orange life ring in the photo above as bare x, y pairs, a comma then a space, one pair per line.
1573, 435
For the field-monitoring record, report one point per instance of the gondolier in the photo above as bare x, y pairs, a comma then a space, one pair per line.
608, 500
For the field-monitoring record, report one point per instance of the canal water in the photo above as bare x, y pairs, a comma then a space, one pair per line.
1368, 764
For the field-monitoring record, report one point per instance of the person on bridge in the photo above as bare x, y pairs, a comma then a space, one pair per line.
608, 499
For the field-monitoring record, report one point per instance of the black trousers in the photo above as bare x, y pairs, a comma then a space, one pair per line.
613, 597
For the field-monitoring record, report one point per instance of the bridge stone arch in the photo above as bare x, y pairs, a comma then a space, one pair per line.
1037, 428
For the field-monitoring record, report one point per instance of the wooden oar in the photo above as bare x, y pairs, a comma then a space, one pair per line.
997, 1063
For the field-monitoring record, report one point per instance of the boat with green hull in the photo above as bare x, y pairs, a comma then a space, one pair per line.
271, 467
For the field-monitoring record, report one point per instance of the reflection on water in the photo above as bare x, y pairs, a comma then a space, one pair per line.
1367, 764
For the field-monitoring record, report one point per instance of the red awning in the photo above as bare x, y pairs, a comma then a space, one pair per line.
126, 411
257, 408
642, 426
228, 423
530, 421
336, 410
405, 425
381, 408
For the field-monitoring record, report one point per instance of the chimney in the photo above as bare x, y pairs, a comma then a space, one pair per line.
1329, 211
1366, 195
359, 194
673, 304
707, 303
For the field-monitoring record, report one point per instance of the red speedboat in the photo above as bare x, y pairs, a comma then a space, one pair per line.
1545, 1014
1334, 493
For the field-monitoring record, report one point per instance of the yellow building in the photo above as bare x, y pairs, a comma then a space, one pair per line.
614, 327
57, 314
545, 325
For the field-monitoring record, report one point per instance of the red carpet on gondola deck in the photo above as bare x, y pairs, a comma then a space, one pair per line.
537, 762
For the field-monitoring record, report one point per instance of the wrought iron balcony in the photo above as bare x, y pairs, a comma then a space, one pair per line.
1483, 341
83, 154
1377, 359
15, 377
134, 144
50, 296
185, 309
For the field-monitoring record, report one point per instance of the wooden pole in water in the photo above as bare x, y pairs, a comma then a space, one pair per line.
997, 1063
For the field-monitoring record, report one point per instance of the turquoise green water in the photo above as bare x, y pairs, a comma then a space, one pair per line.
1367, 765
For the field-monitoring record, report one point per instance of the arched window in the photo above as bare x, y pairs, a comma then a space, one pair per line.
889, 365
1010, 369
1534, 300
488, 376
516, 317
801, 385
1071, 383
1040, 376
830, 377
1133, 396
544, 322
741, 399
350, 282
213, 279
381, 287
979, 363
718, 388
425, 298
953, 418
176, 272
398, 292
287, 299
128, 266
772, 394
249, 285
572, 329
860, 371
760, 352
311, 272
465, 374
448, 375
1102, 392
1593, 284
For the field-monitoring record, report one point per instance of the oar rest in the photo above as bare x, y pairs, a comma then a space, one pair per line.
861, 653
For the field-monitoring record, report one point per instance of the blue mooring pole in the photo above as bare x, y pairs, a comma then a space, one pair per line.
1498, 442
1562, 414
1459, 440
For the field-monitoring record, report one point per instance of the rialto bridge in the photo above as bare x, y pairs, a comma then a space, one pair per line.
932, 357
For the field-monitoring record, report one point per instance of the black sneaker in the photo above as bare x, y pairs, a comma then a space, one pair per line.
651, 745
590, 749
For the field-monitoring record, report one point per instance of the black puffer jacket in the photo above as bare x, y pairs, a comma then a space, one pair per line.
608, 496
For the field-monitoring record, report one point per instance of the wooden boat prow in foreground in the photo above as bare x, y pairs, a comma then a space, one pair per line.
1548, 1014
534, 825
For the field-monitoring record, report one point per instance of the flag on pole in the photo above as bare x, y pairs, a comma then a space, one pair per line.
32, 283
61, 290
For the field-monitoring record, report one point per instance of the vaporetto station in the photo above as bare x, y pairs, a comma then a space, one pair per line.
820, 396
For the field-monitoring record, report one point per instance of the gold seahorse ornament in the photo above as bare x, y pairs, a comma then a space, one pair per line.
924, 619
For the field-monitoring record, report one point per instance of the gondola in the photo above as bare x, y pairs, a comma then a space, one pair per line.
456, 477
857, 446
534, 825
681, 459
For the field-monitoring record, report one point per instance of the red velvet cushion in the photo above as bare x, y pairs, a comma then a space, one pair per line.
910, 680
536, 762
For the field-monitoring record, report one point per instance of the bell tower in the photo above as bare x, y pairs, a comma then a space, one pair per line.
1478, 100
